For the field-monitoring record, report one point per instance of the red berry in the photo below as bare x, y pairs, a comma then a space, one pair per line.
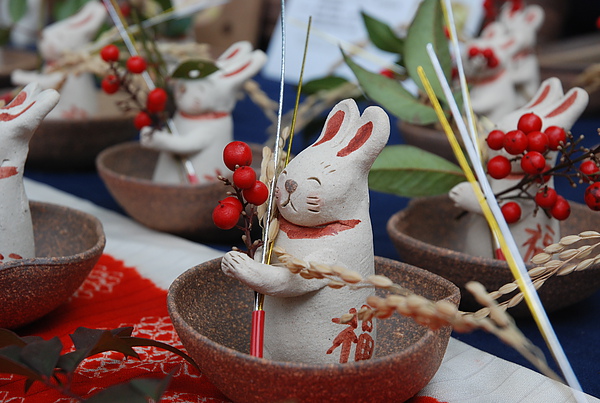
234, 201
537, 141
589, 168
495, 140
237, 153
474, 51
556, 136
136, 64
257, 194
110, 53
110, 84
499, 167
387, 73
592, 196
244, 177
225, 216
545, 198
493, 62
561, 209
533, 163
515, 142
511, 212
487, 53
142, 119
529, 122
157, 100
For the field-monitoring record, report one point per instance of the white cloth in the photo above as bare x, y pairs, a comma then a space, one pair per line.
467, 375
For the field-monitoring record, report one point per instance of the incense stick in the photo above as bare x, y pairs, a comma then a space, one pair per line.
498, 225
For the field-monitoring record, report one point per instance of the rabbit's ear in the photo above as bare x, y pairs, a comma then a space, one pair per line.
533, 16
369, 136
338, 120
567, 110
31, 97
89, 17
238, 49
550, 90
242, 68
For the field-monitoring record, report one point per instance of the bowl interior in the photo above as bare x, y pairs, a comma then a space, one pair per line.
211, 313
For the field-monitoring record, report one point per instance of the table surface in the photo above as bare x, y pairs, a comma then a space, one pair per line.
576, 326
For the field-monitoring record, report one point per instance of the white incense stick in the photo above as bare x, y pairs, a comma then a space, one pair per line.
523, 279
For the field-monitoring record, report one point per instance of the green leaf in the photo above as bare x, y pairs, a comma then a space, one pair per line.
412, 172
392, 96
323, 84
42, 356
17, 9
65, 8
194, 69
134, 391
382, 36
427, 27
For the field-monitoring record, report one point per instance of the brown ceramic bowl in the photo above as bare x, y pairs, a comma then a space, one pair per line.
74, 144
211, 313
426, 234
180, 209
68, 244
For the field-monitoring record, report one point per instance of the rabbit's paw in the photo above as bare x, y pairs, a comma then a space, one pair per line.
238, 265
464, 197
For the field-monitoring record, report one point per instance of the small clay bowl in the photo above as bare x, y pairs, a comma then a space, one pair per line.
68, 243
211, 313
74, 144
180, 209
427, 234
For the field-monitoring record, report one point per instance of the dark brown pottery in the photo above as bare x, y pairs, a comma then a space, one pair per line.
180, 209
74, 144
68, 244
211, 313
427, 234
427, 138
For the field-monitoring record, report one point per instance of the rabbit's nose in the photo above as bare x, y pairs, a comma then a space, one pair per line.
290, 186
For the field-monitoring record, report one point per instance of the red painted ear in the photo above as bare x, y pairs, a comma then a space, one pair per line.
81, 22
18, 100
238, 71
564, 106
362, 135
332, 127
541, 97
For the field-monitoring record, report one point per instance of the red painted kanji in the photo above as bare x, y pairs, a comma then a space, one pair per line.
537, 235
365, 344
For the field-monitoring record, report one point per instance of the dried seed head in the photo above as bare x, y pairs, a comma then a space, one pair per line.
305, 274
321, 268
338, 270
346, 318
446, 309
567, 269
554, 248
541, 258
375, 302
508, 288
537, 271
336, 284
516, 300
393, 301
351, 277
584, 264
584, 251
567, 254
482, 313
379, 281
569, 239
589, 234
278, 250
554, 264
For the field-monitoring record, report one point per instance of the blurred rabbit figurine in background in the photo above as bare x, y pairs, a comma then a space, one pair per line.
323, 202
18, 122
78, 92
532, 232
203, 117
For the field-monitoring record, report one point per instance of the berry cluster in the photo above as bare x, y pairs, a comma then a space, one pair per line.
237, 156
487, 53
530, 145
149, 113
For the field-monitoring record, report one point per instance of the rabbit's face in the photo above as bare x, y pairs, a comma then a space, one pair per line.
195, 97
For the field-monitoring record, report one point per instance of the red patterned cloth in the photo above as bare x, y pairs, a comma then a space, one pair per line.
114, 296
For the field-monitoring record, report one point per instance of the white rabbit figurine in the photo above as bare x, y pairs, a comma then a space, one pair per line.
18, 122
78, 92
203, 117
323, 202
532, 232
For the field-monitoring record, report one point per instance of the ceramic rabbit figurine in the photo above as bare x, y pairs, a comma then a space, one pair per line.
323, 201
23, 33
78, 92
18, 122
203, 117
488, 69
524, 23
532, 232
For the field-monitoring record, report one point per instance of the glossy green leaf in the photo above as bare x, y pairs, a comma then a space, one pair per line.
412, 172
322, 84
135, 391
17, 9
65, 8
42, 355
392, 96
194, 69
427, 27
382, 36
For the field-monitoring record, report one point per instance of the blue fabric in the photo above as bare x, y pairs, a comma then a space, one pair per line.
576, 326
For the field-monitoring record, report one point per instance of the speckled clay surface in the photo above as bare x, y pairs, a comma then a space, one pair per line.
183, 210
68, 245
68, 144
211, 313
428, 234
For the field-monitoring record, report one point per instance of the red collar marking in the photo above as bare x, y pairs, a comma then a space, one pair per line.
294, 231
205, 116
487, 80
8, 171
